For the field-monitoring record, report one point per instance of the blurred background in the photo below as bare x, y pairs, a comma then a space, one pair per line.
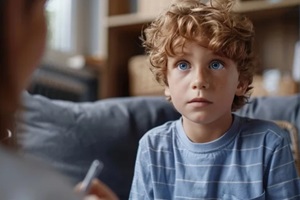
71, 66
94, 51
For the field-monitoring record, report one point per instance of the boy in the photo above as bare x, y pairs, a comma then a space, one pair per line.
203, 55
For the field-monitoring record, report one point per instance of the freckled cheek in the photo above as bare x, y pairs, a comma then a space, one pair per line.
178, 86
222, 82
182, 81
229, 86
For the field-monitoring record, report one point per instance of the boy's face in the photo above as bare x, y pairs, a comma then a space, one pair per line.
202, 84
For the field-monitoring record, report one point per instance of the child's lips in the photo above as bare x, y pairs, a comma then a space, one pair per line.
199, 102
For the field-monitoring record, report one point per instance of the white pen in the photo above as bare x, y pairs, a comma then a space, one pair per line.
94, 170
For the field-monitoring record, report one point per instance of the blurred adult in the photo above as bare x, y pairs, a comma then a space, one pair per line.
23, 31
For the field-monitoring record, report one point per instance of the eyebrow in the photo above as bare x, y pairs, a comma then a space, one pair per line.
184, 53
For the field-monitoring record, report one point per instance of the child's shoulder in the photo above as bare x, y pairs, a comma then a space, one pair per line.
259, 124
161, 132
162, 129
265, 128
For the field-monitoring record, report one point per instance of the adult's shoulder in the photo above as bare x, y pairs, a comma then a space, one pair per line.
22, 178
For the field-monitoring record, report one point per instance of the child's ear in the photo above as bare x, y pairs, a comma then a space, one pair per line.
167, 91
241, 88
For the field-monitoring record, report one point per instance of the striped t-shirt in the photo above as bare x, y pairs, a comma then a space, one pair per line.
252, 160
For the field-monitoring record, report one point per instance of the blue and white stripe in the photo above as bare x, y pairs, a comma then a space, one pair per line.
253, 160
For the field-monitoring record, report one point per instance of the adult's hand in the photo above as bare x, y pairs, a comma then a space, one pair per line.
98, 191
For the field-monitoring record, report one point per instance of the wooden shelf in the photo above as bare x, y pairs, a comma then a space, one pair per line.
276, 24
241, 7
259, 5
128, 19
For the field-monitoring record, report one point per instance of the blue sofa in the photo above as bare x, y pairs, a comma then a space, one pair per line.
69, 136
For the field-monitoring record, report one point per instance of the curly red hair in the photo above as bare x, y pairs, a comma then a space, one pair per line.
227, 33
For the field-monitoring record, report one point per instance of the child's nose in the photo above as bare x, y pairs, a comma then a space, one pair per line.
200, 81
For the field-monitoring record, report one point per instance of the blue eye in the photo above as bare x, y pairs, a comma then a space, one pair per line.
216, 65
183, 66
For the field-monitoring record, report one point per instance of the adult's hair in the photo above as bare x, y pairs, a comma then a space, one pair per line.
7, 96
225, 32
8, 91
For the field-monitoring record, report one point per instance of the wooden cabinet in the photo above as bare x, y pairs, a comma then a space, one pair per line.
276, 24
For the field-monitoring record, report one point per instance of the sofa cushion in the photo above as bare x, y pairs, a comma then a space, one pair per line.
286, 108
70, 135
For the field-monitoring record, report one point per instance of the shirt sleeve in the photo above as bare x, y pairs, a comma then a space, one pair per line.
282, 179
142, 184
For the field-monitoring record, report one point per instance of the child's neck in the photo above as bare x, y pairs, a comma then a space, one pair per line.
202, 133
